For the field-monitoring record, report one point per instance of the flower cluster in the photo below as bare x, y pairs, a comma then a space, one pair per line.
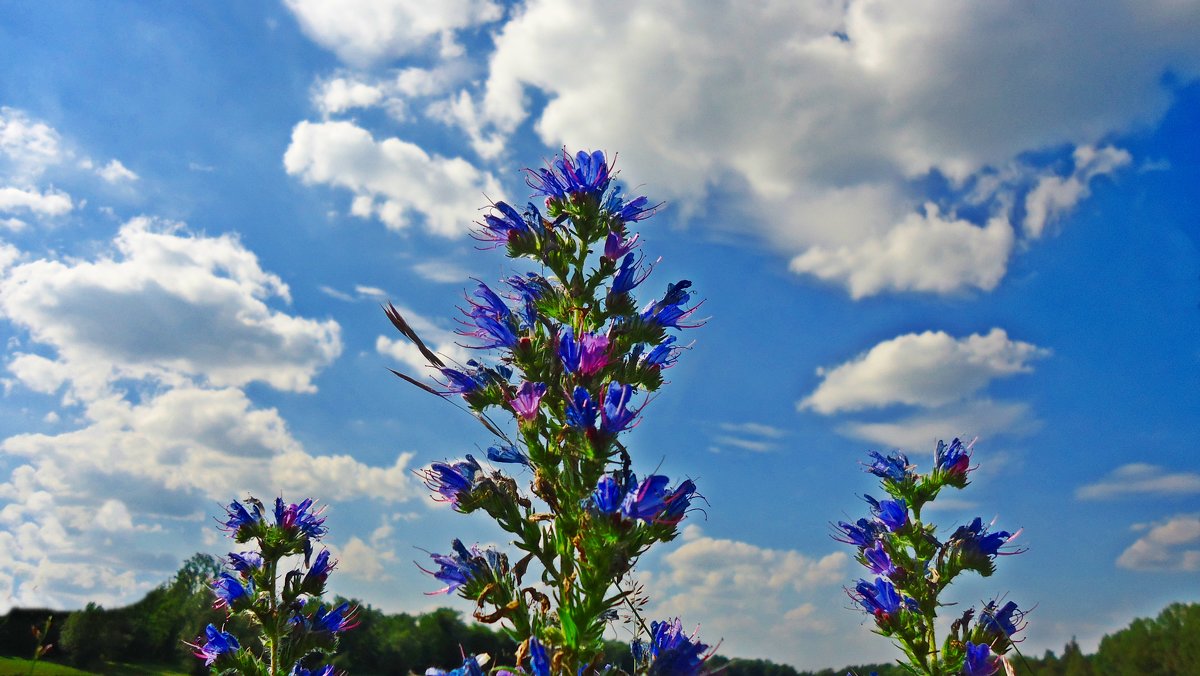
295, 628
910, 567
572, 360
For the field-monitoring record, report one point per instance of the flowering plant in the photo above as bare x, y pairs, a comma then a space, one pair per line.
911, 568
295, 630
573, 358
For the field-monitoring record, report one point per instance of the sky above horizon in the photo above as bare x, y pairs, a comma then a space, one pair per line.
908, 222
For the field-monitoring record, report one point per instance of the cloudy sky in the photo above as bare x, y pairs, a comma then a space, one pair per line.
910, 221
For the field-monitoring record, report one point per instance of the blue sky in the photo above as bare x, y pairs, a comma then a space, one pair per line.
908, 223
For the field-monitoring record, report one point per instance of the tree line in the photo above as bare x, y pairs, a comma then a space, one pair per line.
152, 632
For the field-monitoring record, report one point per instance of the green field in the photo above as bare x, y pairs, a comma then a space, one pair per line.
15, 666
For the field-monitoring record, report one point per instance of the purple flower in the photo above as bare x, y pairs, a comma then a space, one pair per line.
528, 400
228, 590
894, 467
451, 481
671, 652
507, 454
954, 459
669, 311
218, 643
239, 517
609, 494
593, 353
980, 661
503, 227
877, 559
581, 410
616, 415
616, 247
458, 382
246, 562
860, 534
881, 599
318, 573
1005, 622
300, 517
461, 567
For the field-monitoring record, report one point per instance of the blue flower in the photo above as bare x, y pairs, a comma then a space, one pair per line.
539, 662
881, 599
669, 311
894, 467
893, 514
458, 382
568, 350
670, 651
246, 562
877, 559
300, 517
628, 275
980, 661
975, 539
954, 459
860, 534
586, 176
615, 246
334, 620
609, 495
451, 481
616, 415
239, 517
218, 643
470, 667
650, 500
581, 410
299, 670
637, 209
502, 228
1005, 622
507, 454
229, 590
462, 566
664, 355
318, 573
677, 503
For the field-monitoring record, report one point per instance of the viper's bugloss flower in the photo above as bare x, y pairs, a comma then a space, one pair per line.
246, 562
615, 246
664, 355
616, 415
980, 661
581, 410
877, 559
228, 590
628, 212
593, 355
458, 382
528, 400
1003, 622
881, 599
450, 481
670, 651
650, 500
677, 503
319, 571
954, 459
504, 227
568, 350
334, 620
507, 454
218, 643
629, 275
300, 517
490, 304
539, 662
470, 667
609, 495
239, 517
895, 466
669, 311
860, 534
299, 670
975, 539
893, 514
493, 332
458, 568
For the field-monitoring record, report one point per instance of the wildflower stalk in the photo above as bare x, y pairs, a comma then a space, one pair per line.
912, 568
571, 356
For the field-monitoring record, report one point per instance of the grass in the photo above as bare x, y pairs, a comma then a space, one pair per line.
16, 666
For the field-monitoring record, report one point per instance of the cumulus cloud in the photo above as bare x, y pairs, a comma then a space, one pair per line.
391, 179
49, 203
364, 31
921, 369
831, 115
340, 94
440, 340
1140, 478
115, 172
27, 146
1172, 545
756, 598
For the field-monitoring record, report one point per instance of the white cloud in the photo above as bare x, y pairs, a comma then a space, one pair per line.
115, 172
168, 304
442, 272
757, 599
391, 179
49, 203
27, 146
1173, 545
341, 94
1140, 478
1055, 195
443, 342
364, 31
983, 418
921, 369
754, 437
807, 104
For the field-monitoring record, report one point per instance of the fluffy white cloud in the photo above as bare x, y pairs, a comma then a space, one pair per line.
27, 146
922, 369
441, 341
1140, 478
341, 94
49, 203
364, 31
167, 304
115, 172
830, 114
757, 599
1173, 545
391, 179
